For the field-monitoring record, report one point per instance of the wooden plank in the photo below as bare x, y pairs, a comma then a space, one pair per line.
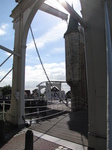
70, 127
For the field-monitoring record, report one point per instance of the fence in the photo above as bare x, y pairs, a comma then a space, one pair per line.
36, 110
4, 106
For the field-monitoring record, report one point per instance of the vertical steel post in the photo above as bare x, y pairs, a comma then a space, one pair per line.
109, 79
3, 109
29, 140
2, 131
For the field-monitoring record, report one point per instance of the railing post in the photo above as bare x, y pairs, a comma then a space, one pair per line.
109, 78
29, 140
2, 131
3, 109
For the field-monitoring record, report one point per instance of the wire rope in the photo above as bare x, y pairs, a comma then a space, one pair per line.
44, 67
39, 54
5, 60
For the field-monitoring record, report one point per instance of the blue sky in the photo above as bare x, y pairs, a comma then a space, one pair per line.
48, 31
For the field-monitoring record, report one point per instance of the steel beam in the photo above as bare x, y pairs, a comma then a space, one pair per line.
49, 9
9, 51
72, 12
109, 78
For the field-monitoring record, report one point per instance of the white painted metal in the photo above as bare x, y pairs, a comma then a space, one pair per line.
9, 51
22, 17
73, 12
48, 87
96, 62
49, 9
109, 79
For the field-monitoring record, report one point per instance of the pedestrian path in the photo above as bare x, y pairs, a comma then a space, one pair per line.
64, 132
46, 142
63, 144
72, 127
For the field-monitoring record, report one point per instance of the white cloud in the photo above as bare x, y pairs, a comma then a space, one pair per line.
9, 54
35, 75
31, 59
3, 28
54, 34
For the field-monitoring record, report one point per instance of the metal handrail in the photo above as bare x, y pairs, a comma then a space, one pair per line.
54, 105
42, 113
3, 109
35, 107
109, 76
48, 116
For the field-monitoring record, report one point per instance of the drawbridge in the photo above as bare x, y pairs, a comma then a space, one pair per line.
97, 24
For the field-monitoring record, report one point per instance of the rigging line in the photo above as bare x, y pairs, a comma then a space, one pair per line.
39, 55
5, 60
44, 67
6, 75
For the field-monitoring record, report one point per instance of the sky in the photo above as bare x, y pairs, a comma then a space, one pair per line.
49, 32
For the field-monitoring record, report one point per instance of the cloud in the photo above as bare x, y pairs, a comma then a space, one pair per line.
3, 28
54, 34
35, 74
9, 54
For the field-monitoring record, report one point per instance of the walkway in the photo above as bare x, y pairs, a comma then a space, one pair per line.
65, 132
72, 127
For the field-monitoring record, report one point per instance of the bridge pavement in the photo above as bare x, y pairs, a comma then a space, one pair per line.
64, 132
72, 126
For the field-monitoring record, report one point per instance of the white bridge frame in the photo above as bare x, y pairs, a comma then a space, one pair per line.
23, 15
93, 13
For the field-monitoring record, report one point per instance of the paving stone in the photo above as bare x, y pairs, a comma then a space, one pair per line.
18, 143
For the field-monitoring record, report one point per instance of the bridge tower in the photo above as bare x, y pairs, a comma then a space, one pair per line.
23, 15
99, 81
75, 64
94, 14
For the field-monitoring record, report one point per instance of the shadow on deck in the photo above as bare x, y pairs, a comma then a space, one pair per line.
72, 126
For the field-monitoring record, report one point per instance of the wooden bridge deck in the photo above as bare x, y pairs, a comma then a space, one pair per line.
72, 126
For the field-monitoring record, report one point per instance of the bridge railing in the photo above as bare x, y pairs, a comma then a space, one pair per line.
4, 106
36, 110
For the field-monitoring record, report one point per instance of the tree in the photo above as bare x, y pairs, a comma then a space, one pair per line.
6, 90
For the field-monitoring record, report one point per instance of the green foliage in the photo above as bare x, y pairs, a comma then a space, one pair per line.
6, 90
